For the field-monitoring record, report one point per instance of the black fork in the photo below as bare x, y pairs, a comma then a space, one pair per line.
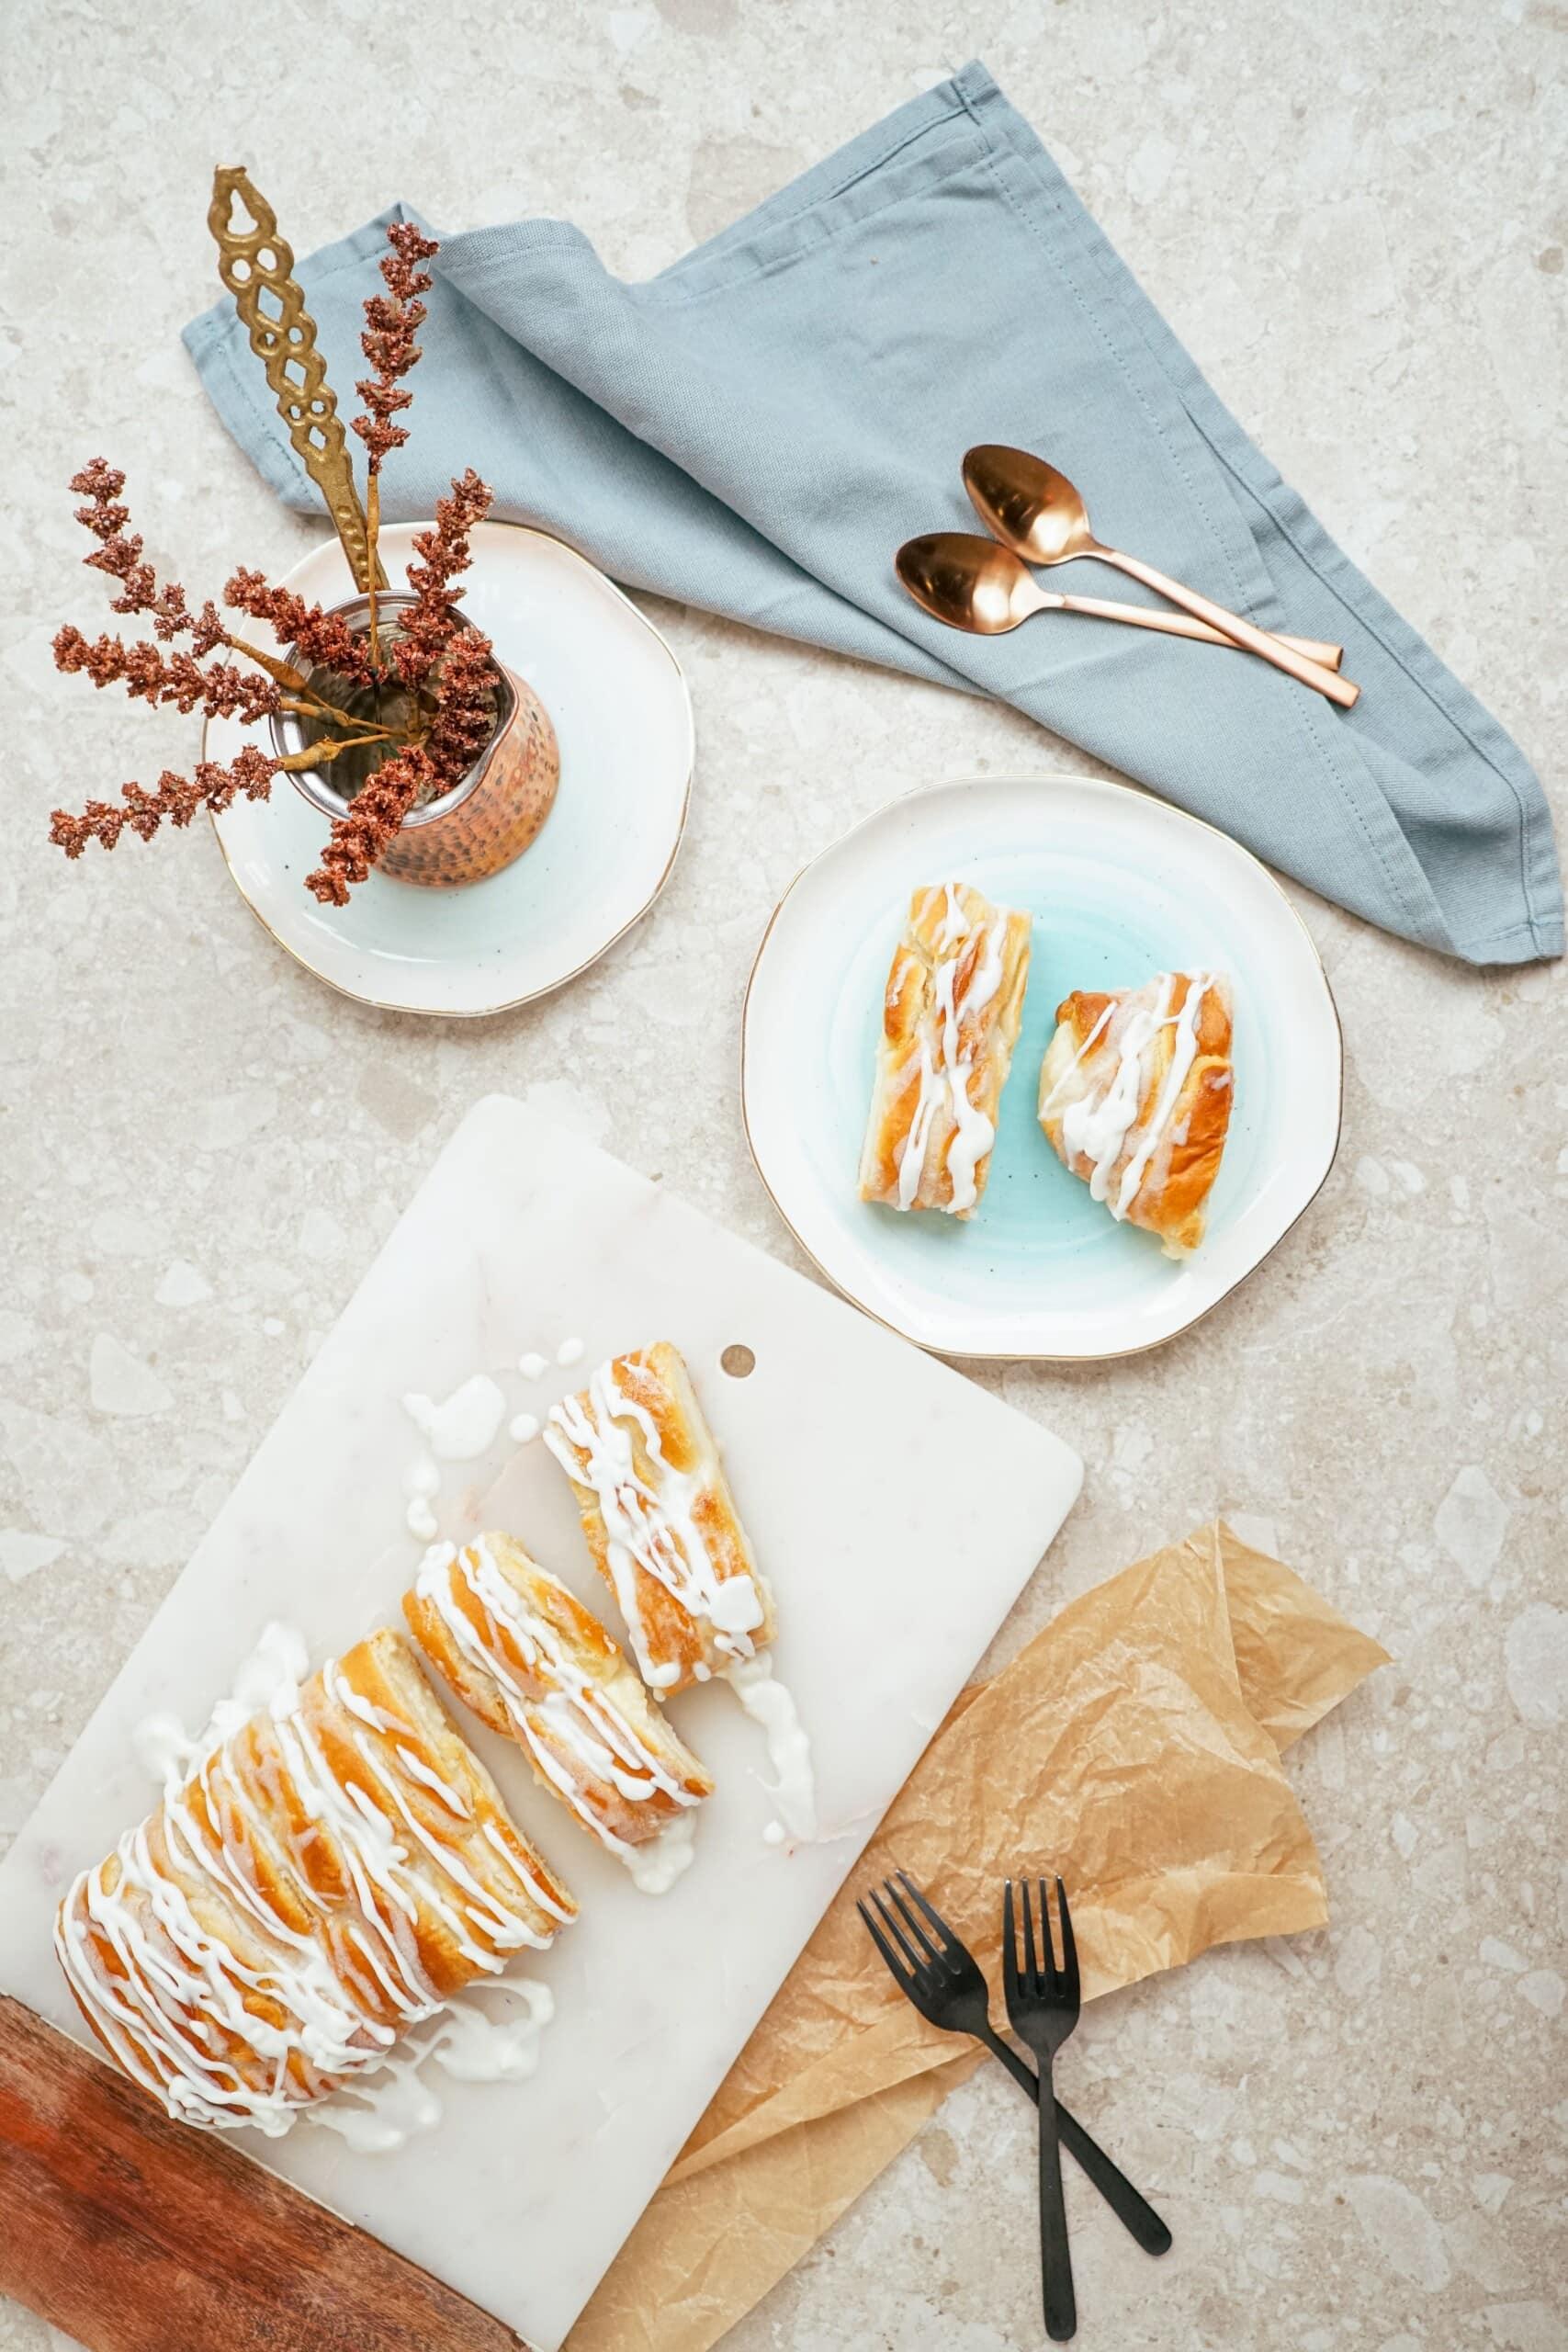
939, 1976
1043, 2010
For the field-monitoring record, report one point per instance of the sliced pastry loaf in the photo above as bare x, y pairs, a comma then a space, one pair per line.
532, 1662
325, 1878
1135, 1094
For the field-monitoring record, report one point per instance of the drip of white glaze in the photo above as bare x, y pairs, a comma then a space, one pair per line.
266, 1682
464, 1426
524, 1428
473, 2048
768, 1702
384, 2114
945, 1083
533, 1367
380, 2113
649, 1528
422, 1483
580, 1716
656, 1865
570, 1351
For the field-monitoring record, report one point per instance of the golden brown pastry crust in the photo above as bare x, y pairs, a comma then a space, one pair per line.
1163, 1054
950, 1022
659, 1519
324, 1878
534, 1664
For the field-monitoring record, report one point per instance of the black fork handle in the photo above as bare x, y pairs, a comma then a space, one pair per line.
1136, 2214
1056, 2254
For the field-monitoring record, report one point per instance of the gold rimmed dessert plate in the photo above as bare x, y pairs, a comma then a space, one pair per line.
1121, 886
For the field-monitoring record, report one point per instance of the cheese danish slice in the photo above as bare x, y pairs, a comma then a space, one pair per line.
949, 1021
534, 1664
1135, 1093
659, 1519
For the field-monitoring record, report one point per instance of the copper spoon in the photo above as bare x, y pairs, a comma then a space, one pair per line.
977, 584
1036, 512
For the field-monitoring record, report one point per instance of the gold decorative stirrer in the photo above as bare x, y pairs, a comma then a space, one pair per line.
253, 260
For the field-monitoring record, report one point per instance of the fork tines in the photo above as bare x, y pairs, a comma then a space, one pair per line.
1039, 1974
901, 1920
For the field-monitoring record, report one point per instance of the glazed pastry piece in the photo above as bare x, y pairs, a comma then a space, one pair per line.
1135, 1097
659, 1519
949, 1024
532, 1663
325, 1879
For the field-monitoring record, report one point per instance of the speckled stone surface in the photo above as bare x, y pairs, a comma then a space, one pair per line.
1355, 217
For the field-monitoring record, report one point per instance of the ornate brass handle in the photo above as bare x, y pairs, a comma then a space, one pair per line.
253, 260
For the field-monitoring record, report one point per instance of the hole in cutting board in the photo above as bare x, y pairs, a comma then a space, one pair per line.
738, 1362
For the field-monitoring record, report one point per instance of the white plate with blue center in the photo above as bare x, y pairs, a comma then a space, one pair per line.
1120, 886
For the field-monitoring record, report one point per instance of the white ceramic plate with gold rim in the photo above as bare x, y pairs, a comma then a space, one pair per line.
1121, 886
622, 718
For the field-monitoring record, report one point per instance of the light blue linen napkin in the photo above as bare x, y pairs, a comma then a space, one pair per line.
755, 431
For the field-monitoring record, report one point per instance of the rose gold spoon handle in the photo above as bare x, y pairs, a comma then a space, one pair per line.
1231, 625
1036, 511
1141, 616
979, 585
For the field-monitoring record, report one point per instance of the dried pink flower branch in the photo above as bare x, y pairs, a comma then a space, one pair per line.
441, 673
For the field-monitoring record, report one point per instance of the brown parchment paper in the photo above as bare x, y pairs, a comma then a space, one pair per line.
1134, 1743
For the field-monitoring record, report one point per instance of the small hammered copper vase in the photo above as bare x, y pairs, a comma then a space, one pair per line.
489, 818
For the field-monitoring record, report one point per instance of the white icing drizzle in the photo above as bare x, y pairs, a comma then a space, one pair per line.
1097, 1125
464, 1427
649, 1529
382, 2112
945, 1083
570, 1351
524, 1428
768, 1702
912, 1158
533, 1367
1183, 1051
180, 1991
1083, 1051
577, 1713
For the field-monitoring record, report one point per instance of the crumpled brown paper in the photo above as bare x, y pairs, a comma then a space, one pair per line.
1135, 1744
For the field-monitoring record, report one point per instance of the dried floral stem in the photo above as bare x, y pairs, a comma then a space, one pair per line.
444, 672
284, 671
174, 798
373, 535
321, 755
391, 321
373, 820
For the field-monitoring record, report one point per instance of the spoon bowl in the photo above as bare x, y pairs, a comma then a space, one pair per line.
967, 582
1033, 509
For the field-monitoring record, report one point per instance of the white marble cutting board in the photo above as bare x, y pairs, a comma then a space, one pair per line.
896, 1509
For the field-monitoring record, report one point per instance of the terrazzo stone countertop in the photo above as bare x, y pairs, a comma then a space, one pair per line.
1356, 215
